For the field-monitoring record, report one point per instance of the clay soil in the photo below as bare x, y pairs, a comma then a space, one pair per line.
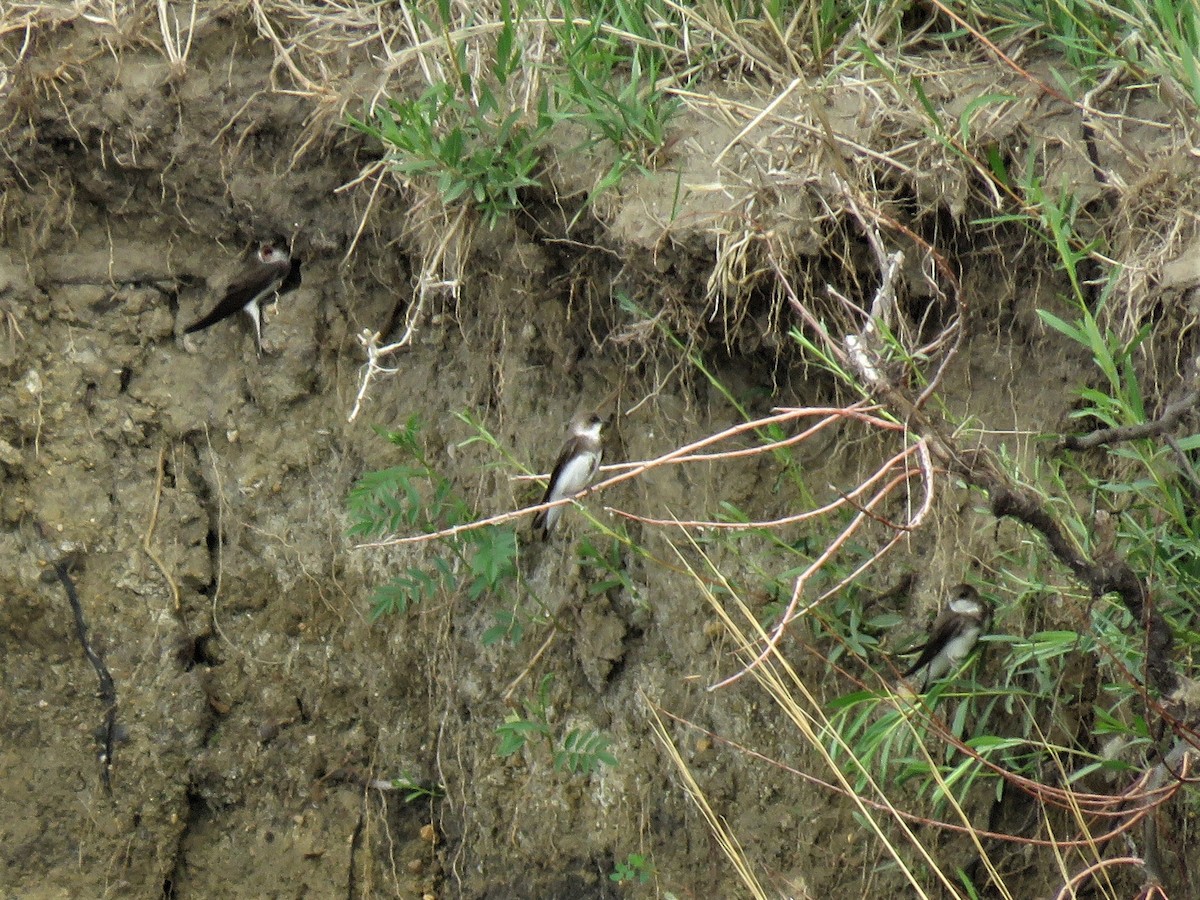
198, 491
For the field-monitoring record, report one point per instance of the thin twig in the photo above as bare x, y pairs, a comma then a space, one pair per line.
507, 695
1171, 415
792, 610
846, 499
426, 283
1070, 889
675, 457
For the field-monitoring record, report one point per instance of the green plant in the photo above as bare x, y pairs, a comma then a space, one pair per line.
515, 733
609, 87
480, 137
1024, 716
1146, 37
607, 565
463, 132
475, 152
414, 497
1017, 713
1121, 403
584, 751
636, 867
1147, 481
1053, 218
510, 624
413, 789
844, 627
577, 751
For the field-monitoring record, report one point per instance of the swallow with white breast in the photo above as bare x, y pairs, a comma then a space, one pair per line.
576, 467
956, 631
271, 272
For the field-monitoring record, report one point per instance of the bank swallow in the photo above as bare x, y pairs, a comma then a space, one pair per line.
955, 633
270, 272
576, 466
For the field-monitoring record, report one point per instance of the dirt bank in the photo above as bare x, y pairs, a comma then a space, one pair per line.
201, 487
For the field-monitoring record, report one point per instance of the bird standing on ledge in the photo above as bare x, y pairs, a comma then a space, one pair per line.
272, 271
576, 466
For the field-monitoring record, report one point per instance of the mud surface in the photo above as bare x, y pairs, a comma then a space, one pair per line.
201, 489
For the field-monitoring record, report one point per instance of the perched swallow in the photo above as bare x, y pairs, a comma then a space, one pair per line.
272, 271
955, 633
576, 466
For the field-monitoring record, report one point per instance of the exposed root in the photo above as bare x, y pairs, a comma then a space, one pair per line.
148, 540
107, 734
445, 254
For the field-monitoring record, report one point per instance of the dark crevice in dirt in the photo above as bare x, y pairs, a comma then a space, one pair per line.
395, 317
196, 808
618, 664
212, 540
210, 503
548, 220
493, 400
200, 651
355, 846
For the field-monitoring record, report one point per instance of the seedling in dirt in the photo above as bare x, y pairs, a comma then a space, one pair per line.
607, 567
584, 751
412, 789
578, 750
414, 497
509, 624
515, 732
636, 867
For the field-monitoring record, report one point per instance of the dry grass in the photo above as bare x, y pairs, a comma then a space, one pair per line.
761, 206
806, 712
1157, 225
859, 119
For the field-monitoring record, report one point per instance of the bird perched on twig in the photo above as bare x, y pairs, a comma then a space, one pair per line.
576, 467
956, 631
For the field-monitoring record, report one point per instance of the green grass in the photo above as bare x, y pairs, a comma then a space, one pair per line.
1145, 37
604, 86
480, 130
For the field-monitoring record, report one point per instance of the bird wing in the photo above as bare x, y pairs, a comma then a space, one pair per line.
938, 636
928, 652
571, 474
292, 280
250, 285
